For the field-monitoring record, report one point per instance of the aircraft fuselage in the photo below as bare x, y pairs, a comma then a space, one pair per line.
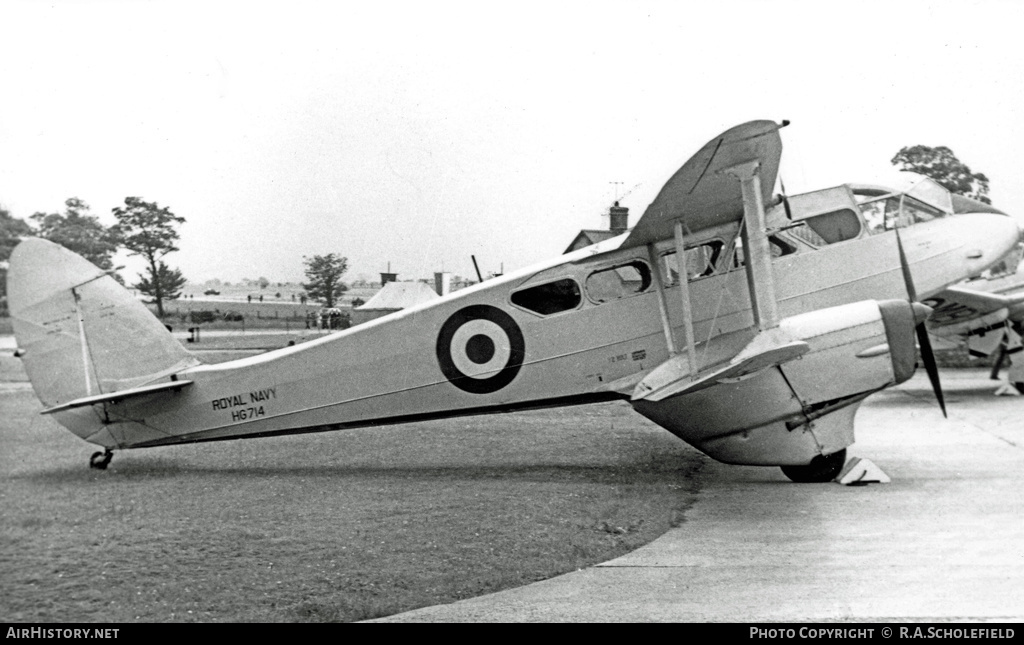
582, 328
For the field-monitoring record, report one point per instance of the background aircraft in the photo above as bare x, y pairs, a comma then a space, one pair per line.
986, 313
708, 317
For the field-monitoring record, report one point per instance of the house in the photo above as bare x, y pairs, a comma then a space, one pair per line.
618, 224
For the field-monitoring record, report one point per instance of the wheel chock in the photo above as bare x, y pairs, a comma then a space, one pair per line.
859, 472
1007, 389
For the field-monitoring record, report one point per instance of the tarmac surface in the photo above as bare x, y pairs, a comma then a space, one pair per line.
943, 542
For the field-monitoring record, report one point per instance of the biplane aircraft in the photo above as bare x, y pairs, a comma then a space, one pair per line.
750, 327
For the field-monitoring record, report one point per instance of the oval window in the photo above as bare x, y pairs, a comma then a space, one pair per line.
549, 298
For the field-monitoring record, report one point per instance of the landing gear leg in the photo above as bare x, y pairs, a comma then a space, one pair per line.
822, 468
100, 460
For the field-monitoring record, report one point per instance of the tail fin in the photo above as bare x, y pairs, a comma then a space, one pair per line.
81, 333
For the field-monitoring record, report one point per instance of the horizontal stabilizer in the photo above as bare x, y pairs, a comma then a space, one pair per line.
673, 377
113, 397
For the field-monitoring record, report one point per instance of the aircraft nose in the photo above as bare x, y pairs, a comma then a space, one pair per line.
991, 237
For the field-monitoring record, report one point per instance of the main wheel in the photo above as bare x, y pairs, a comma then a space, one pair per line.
100, 460
822, 468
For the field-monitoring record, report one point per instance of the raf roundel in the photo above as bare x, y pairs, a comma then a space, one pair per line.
480, 349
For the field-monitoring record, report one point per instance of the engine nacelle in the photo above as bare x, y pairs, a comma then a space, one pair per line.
786, 414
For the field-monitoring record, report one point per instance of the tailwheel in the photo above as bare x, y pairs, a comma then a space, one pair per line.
823, 468
100, 460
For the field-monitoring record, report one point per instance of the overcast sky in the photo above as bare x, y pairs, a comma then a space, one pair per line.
423, 132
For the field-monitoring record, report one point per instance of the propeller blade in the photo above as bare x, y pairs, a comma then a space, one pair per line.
923, 341
1003, 351
930, 366
908, 280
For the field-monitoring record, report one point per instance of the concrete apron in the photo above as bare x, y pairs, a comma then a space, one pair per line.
943, 541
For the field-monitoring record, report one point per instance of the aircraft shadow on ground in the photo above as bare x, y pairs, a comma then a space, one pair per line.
676, 469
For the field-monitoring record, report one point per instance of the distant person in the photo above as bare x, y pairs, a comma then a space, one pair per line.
261, 297
249, 298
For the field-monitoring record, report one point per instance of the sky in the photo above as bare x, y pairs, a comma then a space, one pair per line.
417, 135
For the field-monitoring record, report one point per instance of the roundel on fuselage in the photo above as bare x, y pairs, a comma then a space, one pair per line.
480, 349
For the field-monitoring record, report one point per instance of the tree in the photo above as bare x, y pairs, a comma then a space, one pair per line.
149, 231
942, 165
79, 231
170, 282
12, 230
324, 274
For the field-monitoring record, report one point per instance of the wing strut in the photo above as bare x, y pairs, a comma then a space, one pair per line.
757, 254
684, 293
666, 324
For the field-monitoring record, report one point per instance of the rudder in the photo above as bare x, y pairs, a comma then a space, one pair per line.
80, 332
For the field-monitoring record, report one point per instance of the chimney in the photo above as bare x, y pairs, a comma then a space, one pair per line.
619, 218
442, 283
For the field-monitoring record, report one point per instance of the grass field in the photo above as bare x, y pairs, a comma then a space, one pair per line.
336, 526
240, 293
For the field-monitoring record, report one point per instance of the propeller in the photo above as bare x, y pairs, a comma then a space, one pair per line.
1000, 359
923, 341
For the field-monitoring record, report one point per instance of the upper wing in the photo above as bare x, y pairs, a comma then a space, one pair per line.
701, 194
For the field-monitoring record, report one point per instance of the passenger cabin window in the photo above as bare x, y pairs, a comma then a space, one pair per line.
700, 262
828, 228
549, 298
776, 247
618, 281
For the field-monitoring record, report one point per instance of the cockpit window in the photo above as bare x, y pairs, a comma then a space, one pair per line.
914, 211
878, 212
933, 194
618, 281
549, 298
890, 212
